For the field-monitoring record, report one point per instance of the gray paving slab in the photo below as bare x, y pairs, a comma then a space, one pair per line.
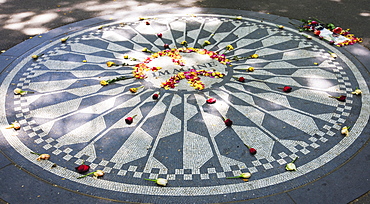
179, 136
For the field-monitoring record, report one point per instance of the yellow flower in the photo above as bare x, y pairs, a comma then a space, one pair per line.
98, 173
104, 83
84, 60
184, 43
345, 131
43, 157
109, 63
125, 56
207, 42
35, 56
64, 39
254, 56
229, 47
134, 90
250, 69
238, 18
145, 49
357, 92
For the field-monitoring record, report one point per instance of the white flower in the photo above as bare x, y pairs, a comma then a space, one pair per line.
19, 91
245, 175
345, 131
357, 92
158, 181
162, 181
291, 167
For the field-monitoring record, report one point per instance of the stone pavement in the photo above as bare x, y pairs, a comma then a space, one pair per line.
179, 136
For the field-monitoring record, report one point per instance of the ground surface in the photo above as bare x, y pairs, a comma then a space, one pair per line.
179, 136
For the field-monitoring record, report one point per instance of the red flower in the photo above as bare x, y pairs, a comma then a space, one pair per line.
82, 168
129, 120
147, 23
159, 35
241, 79
317, 32
252, 151
166, 46
155, 96
337, 30
211, 100
286, 89
339, 98
228, 122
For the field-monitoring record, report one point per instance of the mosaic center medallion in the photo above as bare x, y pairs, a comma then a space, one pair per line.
192, 61
179, 136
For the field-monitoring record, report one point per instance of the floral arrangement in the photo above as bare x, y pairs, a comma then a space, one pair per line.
333, 34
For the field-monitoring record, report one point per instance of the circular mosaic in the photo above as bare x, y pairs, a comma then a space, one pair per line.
186, 59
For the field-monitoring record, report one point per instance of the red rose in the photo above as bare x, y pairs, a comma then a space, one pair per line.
166, 46
228, 122
341, 98
211, 100
241, 79
286, 89
252, 151
147, 23
82, 168
317, 32
155, 96
337, 30
159, 35
129, 120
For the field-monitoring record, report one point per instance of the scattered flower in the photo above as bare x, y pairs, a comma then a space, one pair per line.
129, 120
211, 100
84, 60
242, 175
307, 36
286, 89
251, 150
206, 43
339, 98
64, 39
146, 50
238, 18
96, 174
241, 79
254, 56
166, 46
250, 69
109, 81
15, 125
109, 64
280, 26
333, 55
159, 181
345, 130
229, 47
18, 91
159, 35
41, 156
35, 57
357, 91
227, 122
82, 168
291, 166
155, 96
125, 56
147, 23
134, 90
184, 43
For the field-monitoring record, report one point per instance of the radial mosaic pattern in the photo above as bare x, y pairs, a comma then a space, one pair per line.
179, 136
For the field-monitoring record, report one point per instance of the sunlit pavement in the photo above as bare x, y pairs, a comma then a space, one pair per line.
179, 136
